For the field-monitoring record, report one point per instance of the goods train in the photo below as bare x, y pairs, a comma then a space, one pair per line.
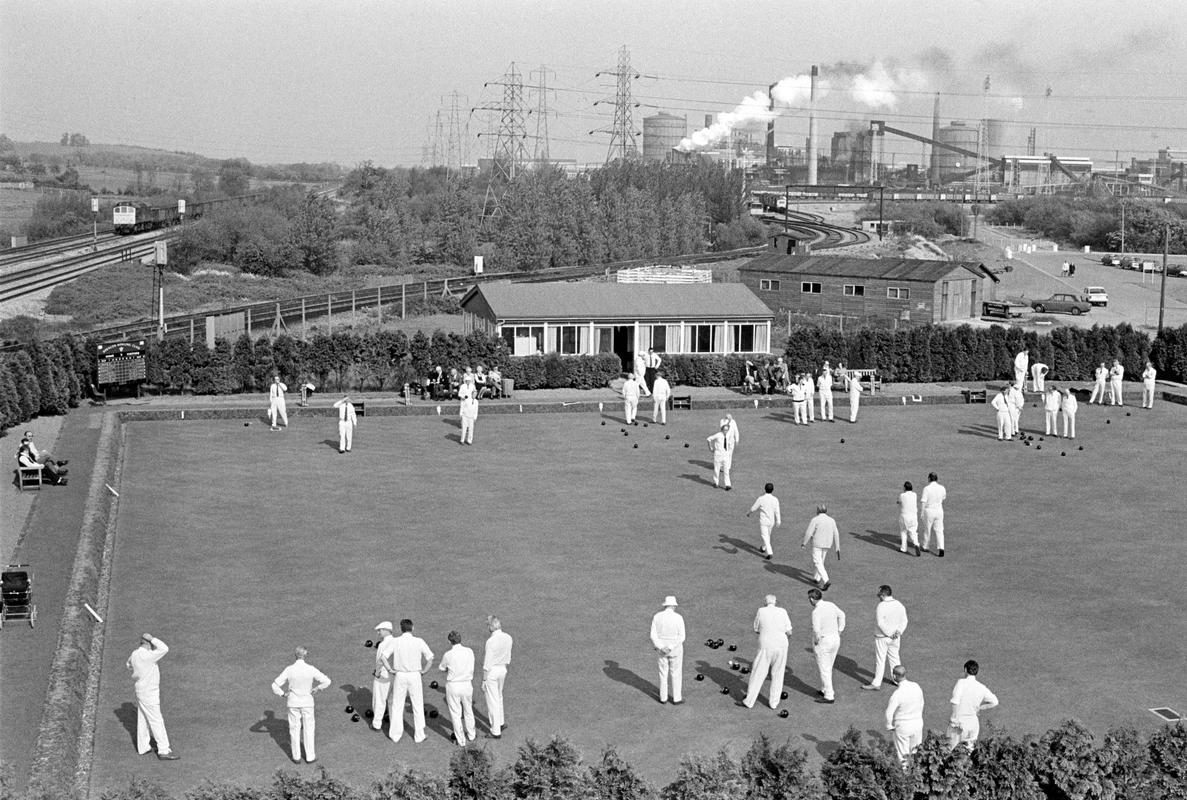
130, 216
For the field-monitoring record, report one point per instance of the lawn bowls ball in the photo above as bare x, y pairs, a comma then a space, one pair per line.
432, 684
686, 444
603, 422
783, 695
350, 709
433, 714
369, 713
720, 642
354, 717
725, 690
368, 643
733, 648
783, 713
745, 670
667, 436
635, 445
700, 677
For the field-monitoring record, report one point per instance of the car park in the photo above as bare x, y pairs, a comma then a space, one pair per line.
1110, 260
1060, 303
1096, 295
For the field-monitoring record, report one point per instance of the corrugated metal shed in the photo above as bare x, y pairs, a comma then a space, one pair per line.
908, 269
625, 301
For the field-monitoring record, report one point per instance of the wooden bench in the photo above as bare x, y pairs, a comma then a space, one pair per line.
861, 374
682, 402
29, 477
976, 395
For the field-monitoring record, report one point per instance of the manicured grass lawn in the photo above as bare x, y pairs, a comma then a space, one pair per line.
1063, 576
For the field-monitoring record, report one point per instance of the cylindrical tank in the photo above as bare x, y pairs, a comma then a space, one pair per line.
661, 133
995, 137
958, 134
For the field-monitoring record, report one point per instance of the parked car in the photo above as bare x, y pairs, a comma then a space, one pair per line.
1096, 295
1062, 303
1176, 271
1110, 260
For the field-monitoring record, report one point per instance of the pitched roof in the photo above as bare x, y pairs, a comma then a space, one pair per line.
625, 301
847, 267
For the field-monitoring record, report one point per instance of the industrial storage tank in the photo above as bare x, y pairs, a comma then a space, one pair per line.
661, 133
958, 134
996, 131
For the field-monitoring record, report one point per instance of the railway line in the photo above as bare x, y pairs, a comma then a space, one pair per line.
812, 227
38, 277
51, 247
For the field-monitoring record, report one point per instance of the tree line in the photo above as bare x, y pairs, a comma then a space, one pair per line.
1065, 763
1097, 222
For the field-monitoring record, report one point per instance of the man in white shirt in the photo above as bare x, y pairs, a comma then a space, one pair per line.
468, 409
667, 637
411, 658
496, 659
458, 666
1052, 402
630, 398
146, 679
904, 715
890, 622
767, 506
381, 676
300, 678
276, 407
661, 392
823, 534
799, 401
1021, 361
824, 388
653, 364
347, 420
1068, 409
810, 395
908, 518
1100, 378
731, 435
1015, 401
719, 445
969, 698
1149, 377
1005, 428
828, 621
641, 372
1038, 375
773, 626
855, 390
932, 501
1116, 376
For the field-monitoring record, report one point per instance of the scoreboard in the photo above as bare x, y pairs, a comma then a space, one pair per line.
122, 362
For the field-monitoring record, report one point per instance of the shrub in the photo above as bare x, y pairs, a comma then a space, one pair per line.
472, 776
615, 779
549, 772
409, 785
864, 769
716, 777
777, 773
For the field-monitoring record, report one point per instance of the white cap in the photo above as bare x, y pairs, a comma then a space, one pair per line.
670, 600
384, 626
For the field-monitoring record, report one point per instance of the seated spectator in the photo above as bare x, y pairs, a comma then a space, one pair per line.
481, 389
455, 381
749, 383
52, 472
764, 377
437, 382
40, 456
494, 380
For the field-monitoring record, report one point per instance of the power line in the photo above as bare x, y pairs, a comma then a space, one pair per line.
622, 130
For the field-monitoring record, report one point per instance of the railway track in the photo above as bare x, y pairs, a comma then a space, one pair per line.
50, 247
822, 235
45, 276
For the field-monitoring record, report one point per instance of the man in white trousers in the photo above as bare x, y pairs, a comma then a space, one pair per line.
1100, 378
723, 451
854, 383
823, 534
904, 715
653, 364
468, 409
908, 518
661, 392
381, 676
1005, 428
303, 680
1068, 409
1038, 377
773, 627
1021, 362
1116, 376
458, 666
932, 503
1052, 402
496, 659
799, 400
1149, 376
347, 420
810, 395
969, 698
411, 658
732, 437
828, 622
667, 637
1016, 401
630, 398
146, 680
641, 372
276, 408
890, 622
824, 388
767, 506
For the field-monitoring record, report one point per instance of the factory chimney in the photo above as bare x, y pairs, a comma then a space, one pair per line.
812, 128
934, 172
771, 128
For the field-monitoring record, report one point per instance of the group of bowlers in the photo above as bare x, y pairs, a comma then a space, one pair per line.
772, 625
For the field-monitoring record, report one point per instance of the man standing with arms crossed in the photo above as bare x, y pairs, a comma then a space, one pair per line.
1098, 387
276, 408
146, 678
823, 534
904, 715
908, 518
494, 672
828, 621
1015, 401
411, 658
890, 622
661, 392
458, 666
381, 676
1116, 376
300, 678
824, 387
667, 637
773, 626
653, 362
1052, 401
347, 420
969, 698
934, 495
767, 506
854, 383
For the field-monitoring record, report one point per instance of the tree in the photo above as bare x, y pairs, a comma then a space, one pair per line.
615, 779
860, 769
549, 772
716, 777
311, 237
777, 773
472, 776
234, 176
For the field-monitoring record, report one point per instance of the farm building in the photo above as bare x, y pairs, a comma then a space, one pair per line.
621, 318
881, 292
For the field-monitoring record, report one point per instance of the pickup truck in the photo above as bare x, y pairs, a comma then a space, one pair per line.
1062, 303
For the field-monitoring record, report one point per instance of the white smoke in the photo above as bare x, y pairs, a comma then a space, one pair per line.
875, 86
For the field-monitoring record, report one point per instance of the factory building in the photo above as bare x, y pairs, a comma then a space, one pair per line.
1038, 174
957, 134
661, 133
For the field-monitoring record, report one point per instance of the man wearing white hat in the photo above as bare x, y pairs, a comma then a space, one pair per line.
381, 683
667, 636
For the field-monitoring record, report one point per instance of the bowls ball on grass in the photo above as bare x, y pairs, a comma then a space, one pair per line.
350, 709
369, 714
368, 643
725, 690
354, 717
783, 695
700, 677
745, 670
783, 713
433, 684
432, 713
733, 648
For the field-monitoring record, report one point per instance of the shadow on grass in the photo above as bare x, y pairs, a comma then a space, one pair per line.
825, 747
703, 464
330, 443
126, 714
849, 668
737, 544
275, 727
788, 571
616, 672
357, 696
890, 541
453, 423
697, 478
980, 431
723, 678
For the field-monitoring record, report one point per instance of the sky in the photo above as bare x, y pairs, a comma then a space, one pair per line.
281, 81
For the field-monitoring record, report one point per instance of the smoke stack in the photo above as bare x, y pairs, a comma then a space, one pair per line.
812, 128
771, 128
934, 172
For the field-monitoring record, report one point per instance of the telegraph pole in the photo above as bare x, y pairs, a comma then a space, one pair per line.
1166, 249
